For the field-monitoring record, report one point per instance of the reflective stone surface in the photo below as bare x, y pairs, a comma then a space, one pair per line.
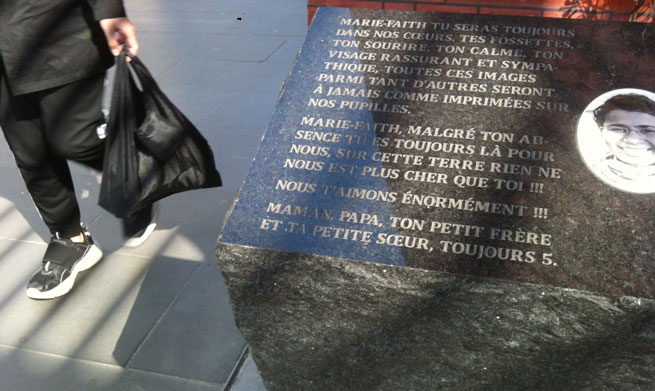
470, 149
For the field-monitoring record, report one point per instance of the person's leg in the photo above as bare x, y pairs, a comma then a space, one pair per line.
71, 115
46, 175
35, 128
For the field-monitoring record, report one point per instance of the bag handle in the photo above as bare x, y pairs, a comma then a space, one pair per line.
121, 119
151, 90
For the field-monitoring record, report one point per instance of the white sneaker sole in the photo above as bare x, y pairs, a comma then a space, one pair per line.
92, 256
136, 242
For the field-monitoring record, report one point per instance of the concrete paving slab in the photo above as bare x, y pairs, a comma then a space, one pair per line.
248, 378
34, 371
113, 307
209, 46
246, 49
183, 26
186, 20
169, 9
227, 76
19, 218
225, 5
285, 57
197, 337
139, 8
18, 261
290, 19
249, 113
234, 165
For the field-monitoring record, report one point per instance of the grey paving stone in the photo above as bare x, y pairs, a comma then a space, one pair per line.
274, 21
228, 76
207, 82
183, 26
209, 46
19, 218
285, 57
234, 154
186, 13
173, 5
243, 113
105, 317
197, 337
248, 378
246, 48
190, 6
183, 17
22, 370
18, 261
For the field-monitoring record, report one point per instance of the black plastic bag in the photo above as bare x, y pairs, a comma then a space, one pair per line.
152, 150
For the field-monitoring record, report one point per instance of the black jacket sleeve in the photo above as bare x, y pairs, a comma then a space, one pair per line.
107, 9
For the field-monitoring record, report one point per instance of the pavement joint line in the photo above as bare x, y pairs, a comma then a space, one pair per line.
116, 366
60, 356
237, 368
22, 240
95, 218
161, 316
230, 95
275, 50
162, 73
118, 252
189, 379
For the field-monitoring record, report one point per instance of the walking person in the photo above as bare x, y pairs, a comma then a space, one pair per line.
53, 56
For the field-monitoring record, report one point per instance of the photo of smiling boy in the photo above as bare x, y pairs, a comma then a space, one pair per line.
627, 125
616, 138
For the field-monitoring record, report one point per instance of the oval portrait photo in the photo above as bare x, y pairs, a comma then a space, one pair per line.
616, 138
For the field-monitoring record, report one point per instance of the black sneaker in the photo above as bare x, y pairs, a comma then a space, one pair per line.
62, 261
138, 227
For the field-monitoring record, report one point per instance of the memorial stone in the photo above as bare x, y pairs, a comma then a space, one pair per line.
447, 201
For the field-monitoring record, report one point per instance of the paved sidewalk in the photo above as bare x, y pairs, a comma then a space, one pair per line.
156, 317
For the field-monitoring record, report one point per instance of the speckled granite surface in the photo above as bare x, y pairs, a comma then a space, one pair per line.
318, 323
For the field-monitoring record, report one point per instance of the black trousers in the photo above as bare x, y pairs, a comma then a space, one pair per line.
46, 128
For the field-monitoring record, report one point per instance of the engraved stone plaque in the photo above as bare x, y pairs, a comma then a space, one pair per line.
462, 144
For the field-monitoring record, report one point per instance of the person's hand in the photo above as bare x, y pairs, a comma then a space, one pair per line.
120, 31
